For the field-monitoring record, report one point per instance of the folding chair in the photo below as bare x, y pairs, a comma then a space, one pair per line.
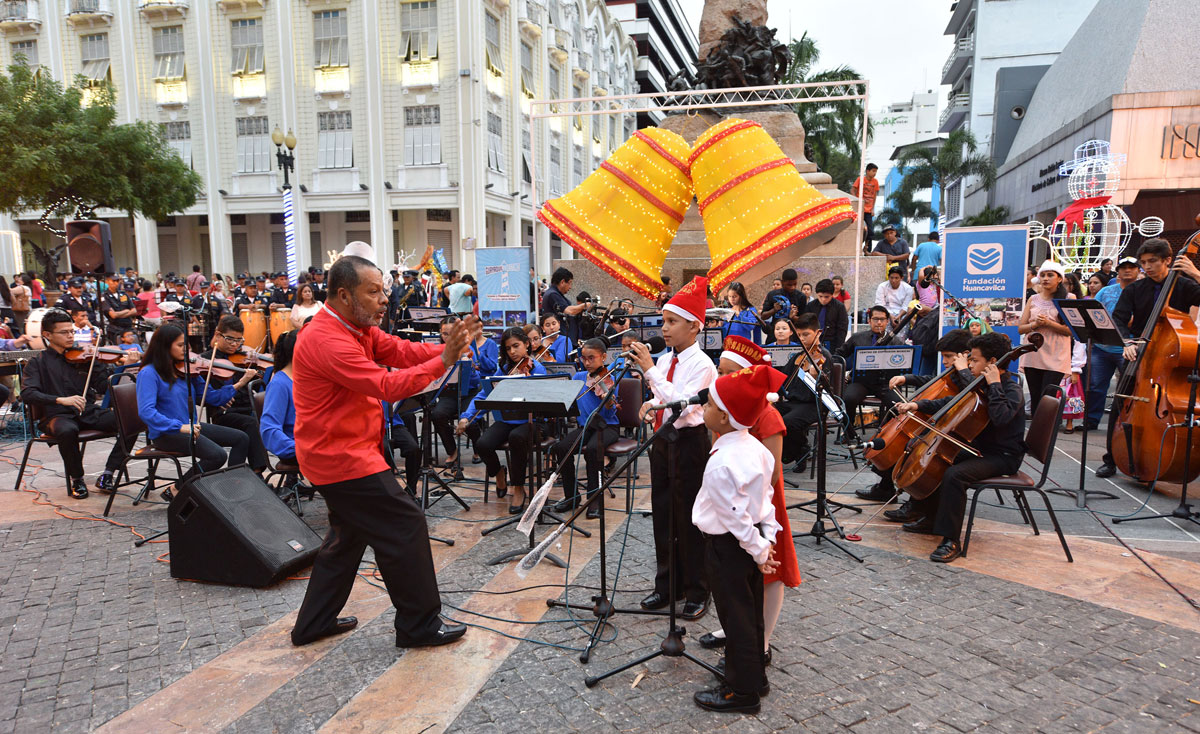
130, 425
33, 416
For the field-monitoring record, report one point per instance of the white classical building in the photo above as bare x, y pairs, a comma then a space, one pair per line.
411, 116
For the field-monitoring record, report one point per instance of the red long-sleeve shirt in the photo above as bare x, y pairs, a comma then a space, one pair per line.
338, 383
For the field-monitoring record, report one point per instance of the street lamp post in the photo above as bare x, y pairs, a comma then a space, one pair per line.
287, 164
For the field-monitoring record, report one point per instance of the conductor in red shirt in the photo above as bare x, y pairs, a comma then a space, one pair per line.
340, 438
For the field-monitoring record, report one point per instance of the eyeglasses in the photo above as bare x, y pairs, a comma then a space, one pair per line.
232, 339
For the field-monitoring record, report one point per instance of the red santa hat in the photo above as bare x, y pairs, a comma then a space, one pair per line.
689, 303
745, 394
743, 352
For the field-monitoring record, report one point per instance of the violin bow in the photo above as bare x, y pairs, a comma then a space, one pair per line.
87, 384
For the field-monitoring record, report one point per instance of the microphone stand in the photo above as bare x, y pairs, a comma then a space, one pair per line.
822, 502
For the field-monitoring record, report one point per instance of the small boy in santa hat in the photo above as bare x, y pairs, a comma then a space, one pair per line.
677, 463
733, 510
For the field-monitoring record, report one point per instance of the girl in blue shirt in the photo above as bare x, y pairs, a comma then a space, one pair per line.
602, 431
278, 421
163, 406
556, 345
485, 356
516, 360
744, 322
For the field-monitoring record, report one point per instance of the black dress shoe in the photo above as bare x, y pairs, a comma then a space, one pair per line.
873, 494
800, 467
694, 610
904, 513
105, 482
566, 504
444, 636
766, 687
947, 551
1106, 470
921, 526
593, 511
342, 625
724, 699
709, 642
78, 490
655, 601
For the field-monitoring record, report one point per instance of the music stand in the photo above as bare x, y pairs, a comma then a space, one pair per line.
1090, 323
547, 396
424, 401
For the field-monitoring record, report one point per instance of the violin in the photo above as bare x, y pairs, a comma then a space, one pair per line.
933, 450
545, 355
249, 358
1150, 407
108, 355
199, 366
601, 384
523, 367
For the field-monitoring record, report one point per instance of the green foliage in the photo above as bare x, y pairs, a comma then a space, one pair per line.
52, 145
841, 167
957, 158
990, 215
830, 127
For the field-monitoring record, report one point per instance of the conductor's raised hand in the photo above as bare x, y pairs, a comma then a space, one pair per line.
458, 339
640, 354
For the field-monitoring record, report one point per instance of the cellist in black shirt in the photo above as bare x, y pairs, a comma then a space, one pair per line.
1136, 305
1001, 445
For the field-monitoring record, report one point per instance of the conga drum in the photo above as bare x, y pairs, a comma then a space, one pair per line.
281, 323
254, 325
33, 327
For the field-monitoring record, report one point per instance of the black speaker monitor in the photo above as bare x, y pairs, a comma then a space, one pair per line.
228, 527
89, 246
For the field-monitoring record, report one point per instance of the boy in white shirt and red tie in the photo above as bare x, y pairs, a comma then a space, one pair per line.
677, 464
734, 513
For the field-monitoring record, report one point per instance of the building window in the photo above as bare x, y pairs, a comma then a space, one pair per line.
419, 30
612, 133
247, 46
491, 44
94, 57
495, 128
335, 139
953, 201
553, 84
179, 138
28, 49
526, 151
527, 70
253, 145
556, 163
555, 14
577, 93
577, 163
331, 46
422, 135
168, 53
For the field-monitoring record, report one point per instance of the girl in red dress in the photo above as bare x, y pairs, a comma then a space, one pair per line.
737, 354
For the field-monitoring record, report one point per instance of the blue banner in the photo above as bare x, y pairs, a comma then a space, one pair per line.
984, 277
503, 275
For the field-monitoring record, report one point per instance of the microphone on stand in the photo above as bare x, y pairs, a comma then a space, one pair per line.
875, 444
699, 398
655, 344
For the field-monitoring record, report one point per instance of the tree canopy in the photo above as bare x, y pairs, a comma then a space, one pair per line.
955, 159
53, 145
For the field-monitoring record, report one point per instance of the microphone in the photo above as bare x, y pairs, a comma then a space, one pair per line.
875, 444
655, 344
699, 398
608, 341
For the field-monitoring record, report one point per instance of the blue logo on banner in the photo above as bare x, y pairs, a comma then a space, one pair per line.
985, 259
985, 263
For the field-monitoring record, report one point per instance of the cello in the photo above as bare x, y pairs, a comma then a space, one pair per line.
902, 428
1149, 432
933, 450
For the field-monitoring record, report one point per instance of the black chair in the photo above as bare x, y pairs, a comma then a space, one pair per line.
284, 472
629, 407
129, 427
33, 416
1039, 443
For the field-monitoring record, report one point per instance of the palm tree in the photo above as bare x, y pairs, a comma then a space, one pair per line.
828, 126
990, 215
956, 159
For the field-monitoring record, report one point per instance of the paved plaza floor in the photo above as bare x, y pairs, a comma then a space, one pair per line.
96, 635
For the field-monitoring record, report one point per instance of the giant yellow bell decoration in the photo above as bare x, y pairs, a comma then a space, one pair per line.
759, 213
624, 216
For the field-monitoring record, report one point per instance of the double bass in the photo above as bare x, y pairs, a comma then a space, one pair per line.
935, 447
1150, 407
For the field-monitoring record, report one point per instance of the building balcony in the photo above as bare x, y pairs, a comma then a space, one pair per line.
20, 15
529, 18
960, 57
581, 61
955, 112
240, 5
163, 9
558, 45
89, 12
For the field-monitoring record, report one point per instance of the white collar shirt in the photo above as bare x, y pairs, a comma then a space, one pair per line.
694, 372
895, 300
735, 496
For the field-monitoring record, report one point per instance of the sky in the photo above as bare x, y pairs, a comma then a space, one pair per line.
896, 44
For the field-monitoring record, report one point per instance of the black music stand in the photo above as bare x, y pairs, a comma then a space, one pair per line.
548, 396
424, 402
1089, 323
